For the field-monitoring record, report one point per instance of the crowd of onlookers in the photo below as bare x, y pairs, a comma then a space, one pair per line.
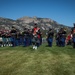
34, 37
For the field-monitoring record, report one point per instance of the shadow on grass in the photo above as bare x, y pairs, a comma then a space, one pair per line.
42, 49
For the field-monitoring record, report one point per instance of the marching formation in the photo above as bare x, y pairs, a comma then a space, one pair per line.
34, 37
62, 37
26, 38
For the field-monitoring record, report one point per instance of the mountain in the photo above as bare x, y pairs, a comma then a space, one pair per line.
28, 22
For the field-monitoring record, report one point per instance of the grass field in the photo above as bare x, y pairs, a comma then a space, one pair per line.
44, 61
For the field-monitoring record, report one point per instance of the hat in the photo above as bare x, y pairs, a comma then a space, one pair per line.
35, 24
13, 27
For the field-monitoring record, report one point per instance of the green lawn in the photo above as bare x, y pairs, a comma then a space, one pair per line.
44, 61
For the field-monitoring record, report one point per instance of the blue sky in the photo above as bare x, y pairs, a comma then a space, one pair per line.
62, 11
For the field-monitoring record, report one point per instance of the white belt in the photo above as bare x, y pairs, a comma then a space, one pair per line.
0, 38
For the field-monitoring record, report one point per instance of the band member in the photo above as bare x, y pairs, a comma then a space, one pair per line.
36, 36
50, 37
13, 36
61, 37
73, 34
69, 39
1, 41
25, 37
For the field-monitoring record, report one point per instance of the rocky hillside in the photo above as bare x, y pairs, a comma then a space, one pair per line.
28, 22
